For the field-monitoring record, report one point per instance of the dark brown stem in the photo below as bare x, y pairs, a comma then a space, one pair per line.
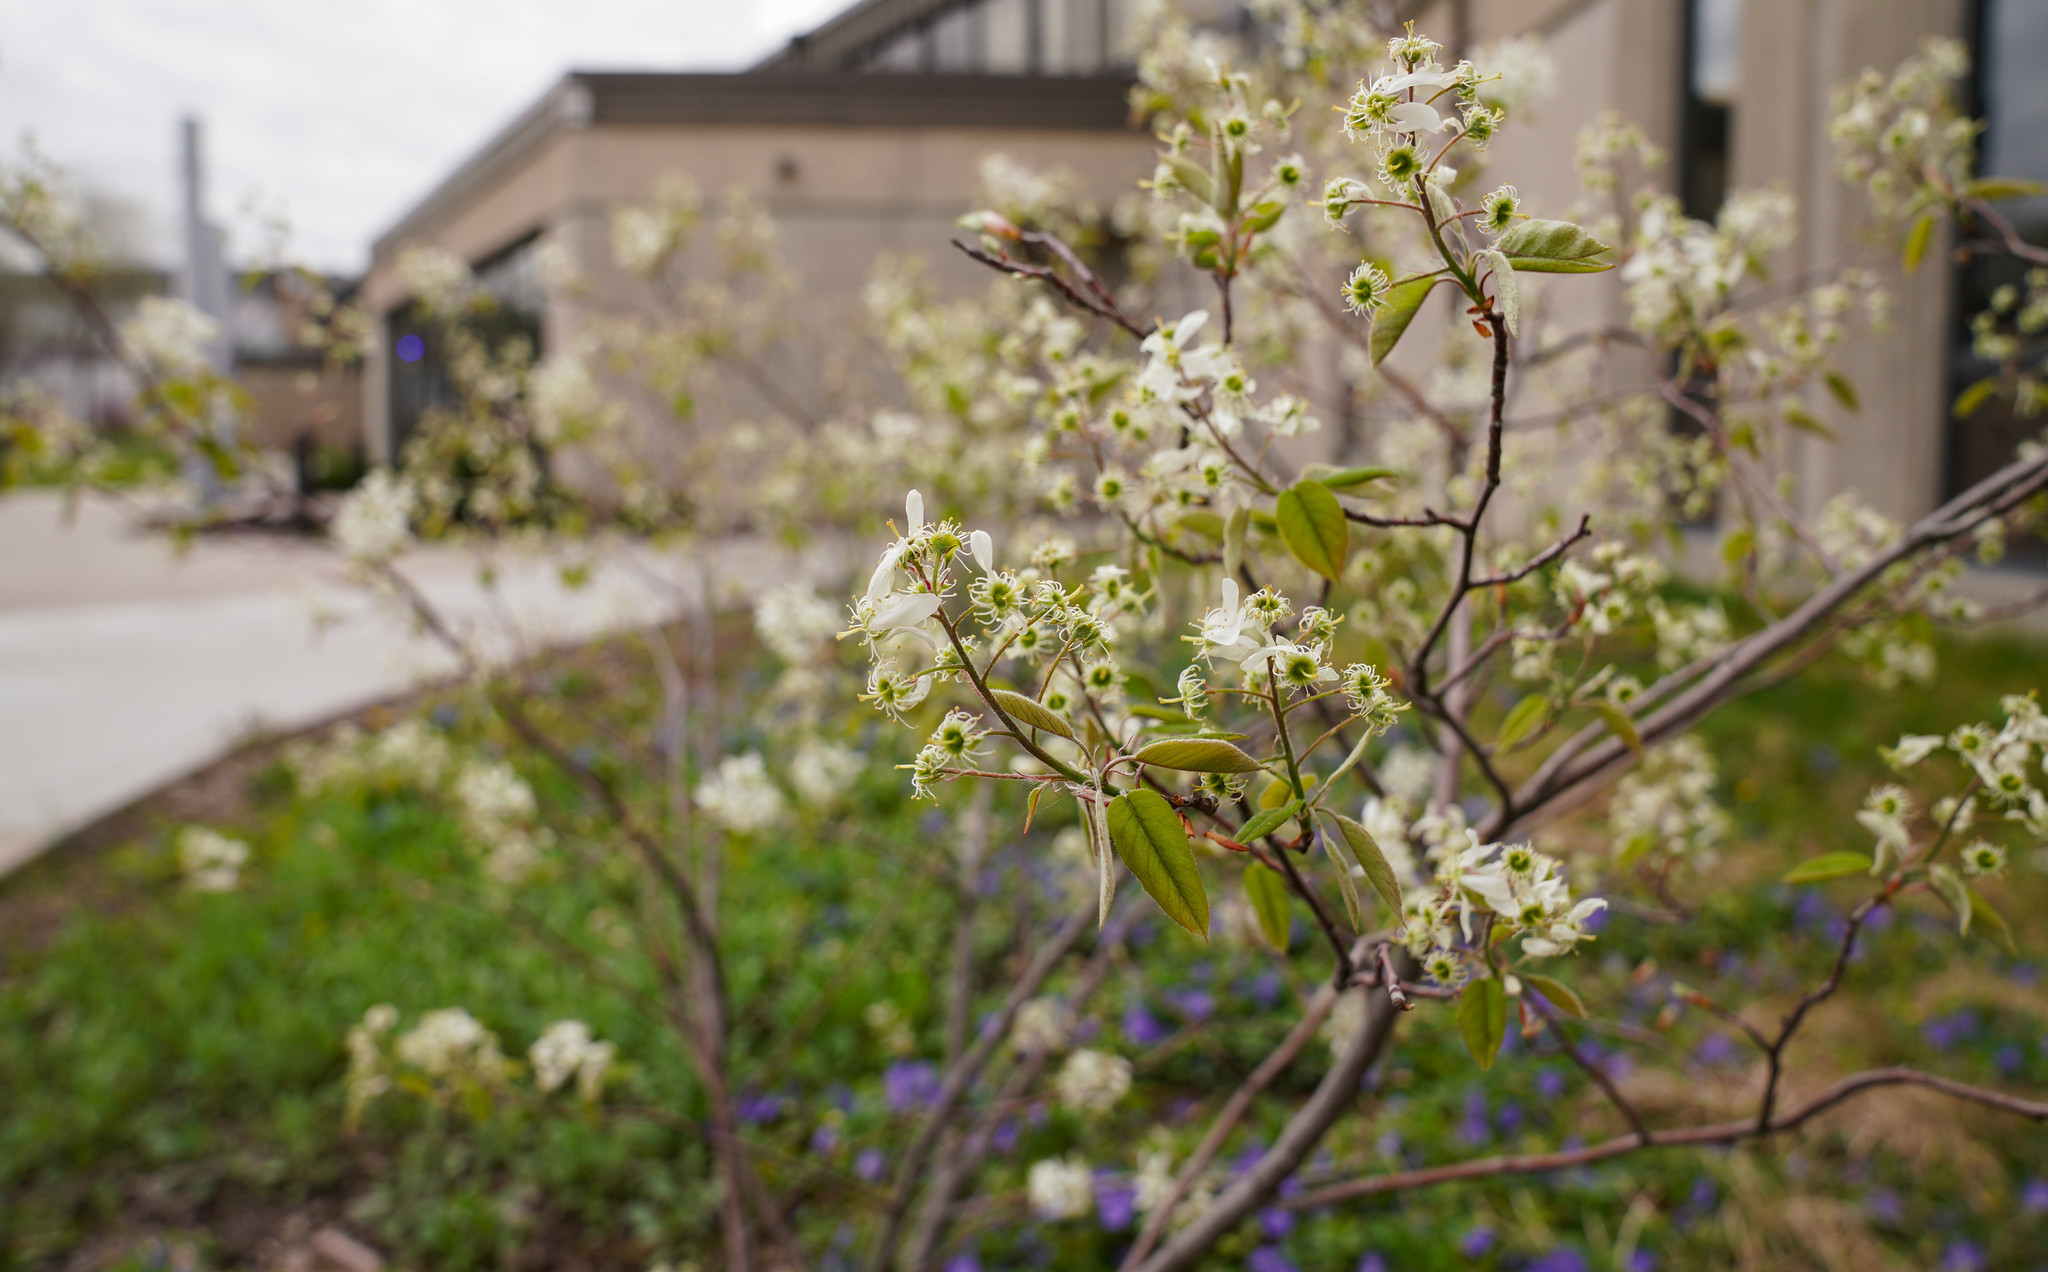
911, 1170
1718, 1133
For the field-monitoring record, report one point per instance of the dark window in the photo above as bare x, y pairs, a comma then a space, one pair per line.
2011, 95
1713, 74
412, 342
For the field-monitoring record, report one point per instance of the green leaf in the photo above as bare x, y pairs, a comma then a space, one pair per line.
1917, 240
1845, 392
1552, 247
1559, 993
1524, 718
1233, 541
1342, 860
1953, 890
1737, 546
1992, 189
1404, 299
1263, 215
1265, 823
1346, 478
1029, 712
1806, 422
1198, 755
1312, 526
1973, 397
1377, 872
1829, 865
1507, 291
1483, 1019
1150, 838
1620, 725
1267, 892
1206, 524
1990, 920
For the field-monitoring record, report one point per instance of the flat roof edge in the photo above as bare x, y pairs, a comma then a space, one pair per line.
585, 99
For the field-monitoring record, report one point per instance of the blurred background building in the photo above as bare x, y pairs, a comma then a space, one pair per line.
299, 403
865, 136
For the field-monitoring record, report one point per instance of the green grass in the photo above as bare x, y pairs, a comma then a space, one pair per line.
173, 1067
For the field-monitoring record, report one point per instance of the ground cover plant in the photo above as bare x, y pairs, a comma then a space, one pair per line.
1499, 898
176, 1075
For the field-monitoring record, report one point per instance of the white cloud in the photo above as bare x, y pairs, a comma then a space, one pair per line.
340, 115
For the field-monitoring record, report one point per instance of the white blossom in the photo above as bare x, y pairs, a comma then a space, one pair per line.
740, 796
170, 335
373, 523
1093, 1081
565, 1050
450, 1042
212, 862
1061, 1189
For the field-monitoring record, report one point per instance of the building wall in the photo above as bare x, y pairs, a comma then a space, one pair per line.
840, 197
843, 195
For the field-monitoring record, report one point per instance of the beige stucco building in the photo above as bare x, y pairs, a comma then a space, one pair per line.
866, 135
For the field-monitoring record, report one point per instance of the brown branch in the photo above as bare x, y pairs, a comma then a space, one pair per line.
1717, 1133
1234, 1109
911, 1170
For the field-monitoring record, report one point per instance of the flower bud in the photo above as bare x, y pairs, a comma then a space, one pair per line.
991, 223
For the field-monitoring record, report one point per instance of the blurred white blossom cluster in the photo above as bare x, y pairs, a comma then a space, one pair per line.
497, 807
1999, 763
1900, 137
211, 861
449, 1054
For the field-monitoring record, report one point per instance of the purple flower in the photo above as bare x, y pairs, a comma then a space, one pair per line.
2008, 1058
1509, 1118
1642, 1261
1943, 1033
1005, 1137
963, 1263
1115, 1204
1275, 1222
1476, 1242
1474, 1130
911, 1084
2034, 1196
841, 1096
1698, 1204
1550, 1084
757, 1109
1812, 912
1715, 1049
1373, 1261
1266, 989
1562, 1259
2024, 974
1962, 1255
1142, 1028
1195, 1004
825, 1140
1884, 1207
1269, 1259
868, 1165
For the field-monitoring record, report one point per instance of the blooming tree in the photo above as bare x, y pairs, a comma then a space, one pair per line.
1252, 673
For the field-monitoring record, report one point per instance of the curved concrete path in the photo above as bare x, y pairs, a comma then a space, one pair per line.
125, 664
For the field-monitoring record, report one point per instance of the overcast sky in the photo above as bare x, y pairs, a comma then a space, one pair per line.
339, 115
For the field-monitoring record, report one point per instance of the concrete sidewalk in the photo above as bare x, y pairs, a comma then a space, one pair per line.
125, 664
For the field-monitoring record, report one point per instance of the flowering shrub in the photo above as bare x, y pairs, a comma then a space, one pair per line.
1287, 683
